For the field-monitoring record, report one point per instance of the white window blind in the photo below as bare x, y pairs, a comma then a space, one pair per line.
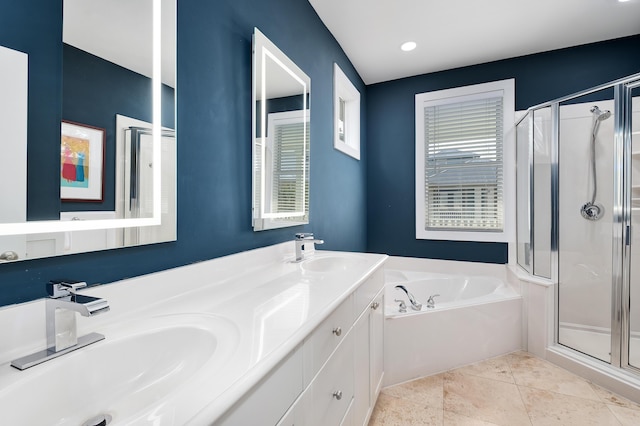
290, 178
465, 171
463, 164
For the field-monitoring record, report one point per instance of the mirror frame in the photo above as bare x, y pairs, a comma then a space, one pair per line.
45, 226
263, 48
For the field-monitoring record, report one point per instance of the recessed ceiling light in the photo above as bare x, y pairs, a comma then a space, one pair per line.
408, 46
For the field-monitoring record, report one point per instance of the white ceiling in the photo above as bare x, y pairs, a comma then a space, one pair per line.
457, 33
120, 31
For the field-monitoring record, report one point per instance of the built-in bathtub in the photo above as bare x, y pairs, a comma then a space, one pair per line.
475, 317
449, 291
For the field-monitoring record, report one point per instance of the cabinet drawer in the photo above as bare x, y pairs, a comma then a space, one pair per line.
331, 392
319, 345
295, 415
368, 290
349, 418
269, 399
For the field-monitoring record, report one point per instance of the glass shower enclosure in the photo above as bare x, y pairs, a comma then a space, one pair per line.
578, 216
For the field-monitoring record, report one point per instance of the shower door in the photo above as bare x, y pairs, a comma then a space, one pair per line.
631, 137
579, 215
586, 182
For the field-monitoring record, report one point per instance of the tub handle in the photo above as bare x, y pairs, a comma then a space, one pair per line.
337, 331
375, 305
337, 395
402, 307
430, 302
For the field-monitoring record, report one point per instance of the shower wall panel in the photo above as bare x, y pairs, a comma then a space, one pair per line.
542, 198
523, 195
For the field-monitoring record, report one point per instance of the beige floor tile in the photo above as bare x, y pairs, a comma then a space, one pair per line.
495, 368
427, 390
484, 399
539, 374
626, 416
484, 394
552, 409
453, 419
392, 411
613, 399
517, 356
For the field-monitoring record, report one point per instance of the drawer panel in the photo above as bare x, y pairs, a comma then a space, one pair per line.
330, 394
319, 345
368, 290
295, 415
349, 418
269, 399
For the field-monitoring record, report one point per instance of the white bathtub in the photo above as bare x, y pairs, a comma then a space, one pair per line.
475, 317
454, 291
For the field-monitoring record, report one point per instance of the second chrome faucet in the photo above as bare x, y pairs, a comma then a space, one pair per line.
301, 240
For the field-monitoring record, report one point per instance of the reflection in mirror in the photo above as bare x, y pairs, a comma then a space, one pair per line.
281, 117
111, 75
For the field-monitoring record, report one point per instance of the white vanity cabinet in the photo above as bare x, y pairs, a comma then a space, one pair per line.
369, 351
265, 403
340, 370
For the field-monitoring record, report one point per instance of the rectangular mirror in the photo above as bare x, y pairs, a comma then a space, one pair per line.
281, 117
93, 186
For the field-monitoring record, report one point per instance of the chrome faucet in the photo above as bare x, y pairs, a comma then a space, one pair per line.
402, 307
61, 307
302, 239
430, 302
415, 305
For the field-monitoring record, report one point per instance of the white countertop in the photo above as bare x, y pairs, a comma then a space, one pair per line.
270, 302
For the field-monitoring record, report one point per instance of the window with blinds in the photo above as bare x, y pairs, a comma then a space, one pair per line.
290, 192
460, 161
463, 165
281, 171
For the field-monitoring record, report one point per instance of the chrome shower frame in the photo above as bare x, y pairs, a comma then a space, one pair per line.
621, 214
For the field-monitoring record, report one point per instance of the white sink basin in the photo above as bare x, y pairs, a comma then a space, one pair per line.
331, 263
139, 374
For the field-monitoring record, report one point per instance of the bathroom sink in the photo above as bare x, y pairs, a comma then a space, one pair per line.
140, 374
331, 263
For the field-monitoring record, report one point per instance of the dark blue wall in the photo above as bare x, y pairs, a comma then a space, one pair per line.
391, 135
93, 92
214, 140
35, 27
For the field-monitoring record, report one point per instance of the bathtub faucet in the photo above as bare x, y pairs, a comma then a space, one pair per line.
415, 305
402, 307
430, 302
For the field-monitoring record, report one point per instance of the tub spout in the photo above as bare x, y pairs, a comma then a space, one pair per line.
415, 305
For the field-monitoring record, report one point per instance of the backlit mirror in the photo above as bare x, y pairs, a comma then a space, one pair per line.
108, 178
281, 117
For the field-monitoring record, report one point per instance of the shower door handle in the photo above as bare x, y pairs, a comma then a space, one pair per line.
627, 237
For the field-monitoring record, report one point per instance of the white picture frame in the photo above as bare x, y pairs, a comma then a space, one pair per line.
82, 149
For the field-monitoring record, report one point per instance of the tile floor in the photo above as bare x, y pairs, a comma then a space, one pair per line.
511, 390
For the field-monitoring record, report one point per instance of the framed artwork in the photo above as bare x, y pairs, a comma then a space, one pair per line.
81, 162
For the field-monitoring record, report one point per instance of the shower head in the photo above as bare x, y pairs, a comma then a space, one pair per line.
599, 114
